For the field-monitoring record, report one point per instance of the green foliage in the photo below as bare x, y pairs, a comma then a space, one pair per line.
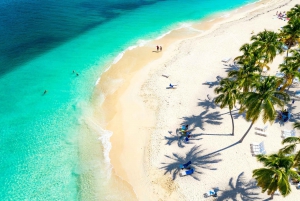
290, 70
247, 75
292, 145
263, 100
229, 93
294, 12
290, 33
267, 43
275, 174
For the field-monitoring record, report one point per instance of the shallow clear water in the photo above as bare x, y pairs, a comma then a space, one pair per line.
49, 148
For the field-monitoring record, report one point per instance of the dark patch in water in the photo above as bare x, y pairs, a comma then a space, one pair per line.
32, 27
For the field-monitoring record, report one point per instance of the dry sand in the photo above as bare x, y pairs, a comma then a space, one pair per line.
143, 115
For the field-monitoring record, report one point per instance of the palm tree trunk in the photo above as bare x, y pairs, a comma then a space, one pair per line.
290, 84
272, 195
241, 140
232, 122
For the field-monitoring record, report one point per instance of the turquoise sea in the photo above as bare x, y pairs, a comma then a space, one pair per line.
49, 146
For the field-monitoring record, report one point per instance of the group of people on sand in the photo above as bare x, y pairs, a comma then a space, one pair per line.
185, 132
282, 15
158, 48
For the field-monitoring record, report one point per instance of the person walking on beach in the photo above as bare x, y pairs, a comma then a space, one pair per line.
157, 48
160, 48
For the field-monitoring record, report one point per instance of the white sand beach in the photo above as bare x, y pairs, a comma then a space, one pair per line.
144, 115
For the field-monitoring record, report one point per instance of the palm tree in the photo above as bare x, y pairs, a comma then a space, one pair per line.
250, 56
290, 33
293, 142
294, 12
228, 95
248, 52
247, 75
290, 71
276, 173
267, 43
294, 57
262, 101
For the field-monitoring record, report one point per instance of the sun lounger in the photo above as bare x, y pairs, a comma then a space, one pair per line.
172, 86
226, 59
284, 47
298, 186
277, 193
262, 128
211, 192
288, 133
188, 172
297, 93
279, 74
261, 133
185, 165
296, 81
257, 148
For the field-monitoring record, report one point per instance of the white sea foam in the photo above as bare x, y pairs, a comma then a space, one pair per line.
142, 42
97, 82
132, 47
184, 25
163, 35
105, 140
118, 57
193, 29
226, 15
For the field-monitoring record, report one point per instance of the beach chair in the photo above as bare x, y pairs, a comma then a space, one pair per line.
261, 133
277, 193
297, 93
298, 186
188, 172
296, 81
263, 129
284, 47
288, 133
172, 86
211, 192
257, 148
225, 60
185, 165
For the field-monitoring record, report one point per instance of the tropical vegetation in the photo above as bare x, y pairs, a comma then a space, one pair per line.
275, 175
260, 96
229, 93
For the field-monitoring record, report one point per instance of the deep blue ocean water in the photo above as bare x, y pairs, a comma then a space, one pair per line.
42, 42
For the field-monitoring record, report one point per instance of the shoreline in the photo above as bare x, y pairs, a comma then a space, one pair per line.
123, 86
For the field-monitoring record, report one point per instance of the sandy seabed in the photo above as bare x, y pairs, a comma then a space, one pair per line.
144, 115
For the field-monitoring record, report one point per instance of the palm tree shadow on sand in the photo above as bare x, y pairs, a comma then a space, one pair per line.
195, 156
242, 190
204, 117
207, 104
